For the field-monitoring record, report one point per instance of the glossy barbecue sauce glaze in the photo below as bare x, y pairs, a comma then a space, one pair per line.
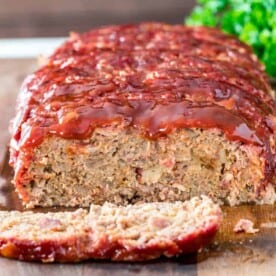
152, 77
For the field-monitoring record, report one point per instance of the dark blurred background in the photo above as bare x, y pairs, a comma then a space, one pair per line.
42, 18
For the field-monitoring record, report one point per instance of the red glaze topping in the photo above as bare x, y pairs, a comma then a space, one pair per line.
153, 77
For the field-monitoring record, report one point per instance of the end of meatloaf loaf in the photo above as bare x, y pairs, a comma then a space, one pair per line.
120, 233
146, 112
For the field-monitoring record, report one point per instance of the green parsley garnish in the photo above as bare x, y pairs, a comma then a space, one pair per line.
253, 21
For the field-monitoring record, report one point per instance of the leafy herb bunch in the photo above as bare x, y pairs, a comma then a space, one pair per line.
253, 21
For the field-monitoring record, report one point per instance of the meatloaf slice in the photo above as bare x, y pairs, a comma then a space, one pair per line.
146, 112
120, 233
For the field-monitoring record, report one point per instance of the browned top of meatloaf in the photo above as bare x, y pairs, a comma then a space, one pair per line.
153, 77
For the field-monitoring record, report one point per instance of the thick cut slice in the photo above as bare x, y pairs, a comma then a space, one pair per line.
120, 233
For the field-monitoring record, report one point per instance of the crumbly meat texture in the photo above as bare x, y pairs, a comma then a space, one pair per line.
131, 233
119, 166
246, 226
146, 112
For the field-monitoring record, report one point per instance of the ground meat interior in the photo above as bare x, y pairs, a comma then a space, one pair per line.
119, 166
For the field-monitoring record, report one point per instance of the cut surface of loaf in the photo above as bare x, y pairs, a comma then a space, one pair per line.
120, 166
146, 112
120, 233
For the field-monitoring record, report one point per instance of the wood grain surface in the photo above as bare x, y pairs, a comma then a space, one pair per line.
230, 253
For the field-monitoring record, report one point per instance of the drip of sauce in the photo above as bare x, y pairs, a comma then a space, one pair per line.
151, 120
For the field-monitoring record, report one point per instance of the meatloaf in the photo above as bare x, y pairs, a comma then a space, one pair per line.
142, 113
122, 233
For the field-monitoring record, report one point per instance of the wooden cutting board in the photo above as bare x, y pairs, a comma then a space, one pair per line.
229, 254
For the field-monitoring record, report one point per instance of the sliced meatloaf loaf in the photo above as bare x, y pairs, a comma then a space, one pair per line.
146, 112
120, 233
